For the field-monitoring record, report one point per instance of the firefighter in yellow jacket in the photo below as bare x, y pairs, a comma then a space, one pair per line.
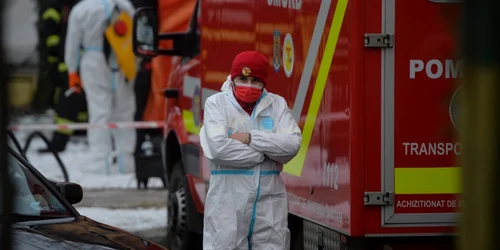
68, 107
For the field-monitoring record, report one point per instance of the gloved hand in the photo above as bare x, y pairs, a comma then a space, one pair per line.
74, 82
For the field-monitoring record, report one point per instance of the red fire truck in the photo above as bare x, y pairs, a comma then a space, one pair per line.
372, 84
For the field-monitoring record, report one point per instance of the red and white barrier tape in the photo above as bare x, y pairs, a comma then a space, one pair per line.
85, 126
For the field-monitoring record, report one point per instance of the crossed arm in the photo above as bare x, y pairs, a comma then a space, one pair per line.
248, 149
218, 147
282, 145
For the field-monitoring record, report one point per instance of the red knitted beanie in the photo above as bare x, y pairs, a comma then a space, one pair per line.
250, 63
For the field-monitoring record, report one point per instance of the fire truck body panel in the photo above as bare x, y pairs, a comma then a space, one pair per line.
318, 178
401, 111
417, 120
323, 192
372, 86
307, 45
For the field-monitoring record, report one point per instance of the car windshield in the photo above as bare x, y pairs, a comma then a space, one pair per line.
32, 199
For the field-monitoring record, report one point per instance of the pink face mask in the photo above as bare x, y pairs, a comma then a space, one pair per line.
247, 93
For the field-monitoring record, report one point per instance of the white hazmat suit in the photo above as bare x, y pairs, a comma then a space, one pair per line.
109, 97
246, 205
145, 33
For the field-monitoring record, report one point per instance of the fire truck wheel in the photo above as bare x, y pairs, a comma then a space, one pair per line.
178, 235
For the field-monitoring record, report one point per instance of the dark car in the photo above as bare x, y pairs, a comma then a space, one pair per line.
44, 217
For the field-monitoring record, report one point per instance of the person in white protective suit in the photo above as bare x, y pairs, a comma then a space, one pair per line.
247, 136
110, 98
145, 33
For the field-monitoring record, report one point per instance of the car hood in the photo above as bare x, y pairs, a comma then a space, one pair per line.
75, 233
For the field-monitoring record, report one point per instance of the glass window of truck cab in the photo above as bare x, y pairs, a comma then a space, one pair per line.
31, 196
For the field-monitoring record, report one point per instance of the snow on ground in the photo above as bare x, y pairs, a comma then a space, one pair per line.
76, 159
130, 219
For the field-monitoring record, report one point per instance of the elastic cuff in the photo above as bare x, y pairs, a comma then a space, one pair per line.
251, 137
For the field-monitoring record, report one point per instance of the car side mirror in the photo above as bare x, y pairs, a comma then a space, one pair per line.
71, 191
146, 39
145, 32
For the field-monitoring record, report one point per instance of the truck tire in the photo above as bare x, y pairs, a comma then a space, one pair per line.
178, 235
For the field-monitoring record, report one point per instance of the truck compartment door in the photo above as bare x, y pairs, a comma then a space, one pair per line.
420, 112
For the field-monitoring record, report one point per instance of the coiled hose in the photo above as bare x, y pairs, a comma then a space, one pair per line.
23, 151
16, 143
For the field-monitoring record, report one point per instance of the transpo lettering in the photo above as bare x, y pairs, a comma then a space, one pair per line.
441, 148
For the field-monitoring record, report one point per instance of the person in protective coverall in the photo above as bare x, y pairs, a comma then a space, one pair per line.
145, 33
110, 98
248, 134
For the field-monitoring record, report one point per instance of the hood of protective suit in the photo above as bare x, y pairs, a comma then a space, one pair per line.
226, 86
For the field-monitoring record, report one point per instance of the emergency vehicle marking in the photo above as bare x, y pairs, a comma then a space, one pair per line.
190, 84
296, 165
227, 1
187, 117
228, 35
291, 4
276, 50
440, 148
435, 68
323, 210
312, 54
230, 16
288, 55
191, 89
455, 110
196, 106
430, 180
270, 27
428, 203
331, 175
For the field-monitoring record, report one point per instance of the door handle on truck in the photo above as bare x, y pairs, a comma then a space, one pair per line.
378, 198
